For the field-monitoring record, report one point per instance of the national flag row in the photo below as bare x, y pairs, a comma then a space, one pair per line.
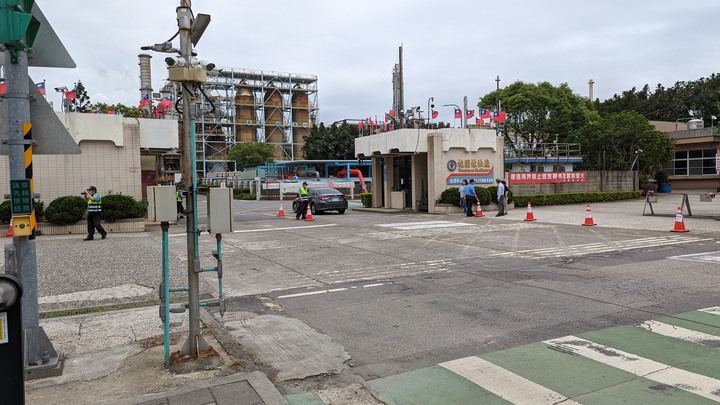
484, 116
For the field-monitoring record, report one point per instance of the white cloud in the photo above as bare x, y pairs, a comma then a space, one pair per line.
452, 49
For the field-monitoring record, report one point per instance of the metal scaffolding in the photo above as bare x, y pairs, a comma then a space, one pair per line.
276, 108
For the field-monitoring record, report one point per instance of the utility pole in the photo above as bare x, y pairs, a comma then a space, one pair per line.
21, 256
195, 343
590, 89
464, 112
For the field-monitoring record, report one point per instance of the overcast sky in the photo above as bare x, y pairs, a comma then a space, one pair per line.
451, 48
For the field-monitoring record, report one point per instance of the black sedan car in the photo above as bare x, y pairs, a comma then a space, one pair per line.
324, 199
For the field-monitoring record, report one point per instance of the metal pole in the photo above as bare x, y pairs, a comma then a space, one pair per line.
166, 290
464, 112
39, 352
195, 343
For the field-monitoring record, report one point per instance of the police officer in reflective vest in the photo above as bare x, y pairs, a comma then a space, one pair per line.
94, 202
302, 203
180, 208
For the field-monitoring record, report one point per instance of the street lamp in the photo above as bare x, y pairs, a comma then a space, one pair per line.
637, 155
457, 107
430, 107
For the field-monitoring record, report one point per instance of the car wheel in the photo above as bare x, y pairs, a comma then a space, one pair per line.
313, 210
295, 206
341, 211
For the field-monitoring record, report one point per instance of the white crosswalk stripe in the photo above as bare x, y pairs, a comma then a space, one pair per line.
424, 225
384, 272
705, 257
503, 383
602, 247
640, 366
678, 332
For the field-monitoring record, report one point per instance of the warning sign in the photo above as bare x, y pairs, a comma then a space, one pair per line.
3, 328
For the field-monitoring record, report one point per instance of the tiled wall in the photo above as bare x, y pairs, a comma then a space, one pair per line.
112, 169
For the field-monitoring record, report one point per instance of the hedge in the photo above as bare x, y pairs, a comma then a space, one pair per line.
575, 198
366, 199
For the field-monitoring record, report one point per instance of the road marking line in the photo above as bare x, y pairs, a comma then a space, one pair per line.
678, 332
711, 310
695, 383
503, 383
305, 294
414, 223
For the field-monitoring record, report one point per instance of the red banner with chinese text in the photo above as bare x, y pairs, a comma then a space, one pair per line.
547, 177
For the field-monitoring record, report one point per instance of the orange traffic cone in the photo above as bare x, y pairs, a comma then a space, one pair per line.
679, 223
478, 210
9, 233
529, 216
281, 212
308, 214
588, 217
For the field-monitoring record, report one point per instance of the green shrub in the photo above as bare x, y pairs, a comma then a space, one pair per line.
65, 210
245, 196
451, 196
5, 212
485, 195
366, 199
575, 198
241, 193
39, 209
117, 206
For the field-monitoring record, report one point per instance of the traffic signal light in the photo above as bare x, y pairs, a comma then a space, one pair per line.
18, 27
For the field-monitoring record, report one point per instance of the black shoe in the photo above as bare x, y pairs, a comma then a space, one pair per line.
499, 215
104, 236
88, 238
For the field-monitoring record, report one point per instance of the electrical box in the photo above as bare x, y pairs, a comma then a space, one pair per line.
219, 209
162, 203
21, 225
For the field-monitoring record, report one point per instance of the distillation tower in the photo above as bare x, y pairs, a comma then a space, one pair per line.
244, 105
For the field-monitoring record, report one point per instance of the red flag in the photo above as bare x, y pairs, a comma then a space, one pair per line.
499, 116
458, 113
360, 125
41, 87
469, 114
3, 88
70, 95
435, 114
392, 113
145, 101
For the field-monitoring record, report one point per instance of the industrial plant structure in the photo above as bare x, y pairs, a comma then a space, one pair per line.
244, 105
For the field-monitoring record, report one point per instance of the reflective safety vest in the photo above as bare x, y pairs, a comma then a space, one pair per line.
303, 191
95, 206
179, 197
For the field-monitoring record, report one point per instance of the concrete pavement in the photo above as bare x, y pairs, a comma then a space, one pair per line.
116, 356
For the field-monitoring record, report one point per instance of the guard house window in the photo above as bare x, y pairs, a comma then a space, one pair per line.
558, 168
537, 168
693, 163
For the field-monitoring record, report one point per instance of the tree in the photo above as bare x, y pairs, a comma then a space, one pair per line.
614, 142
125, 111
333, 142
681, 101
82, 100
538, 113
251, 154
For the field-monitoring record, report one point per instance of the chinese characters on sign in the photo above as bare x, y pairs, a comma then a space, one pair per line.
21, 197
550, 177
473, 165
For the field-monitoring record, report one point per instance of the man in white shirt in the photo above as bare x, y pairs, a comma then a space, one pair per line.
500, 198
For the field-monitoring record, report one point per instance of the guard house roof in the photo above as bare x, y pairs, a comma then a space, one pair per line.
415, 141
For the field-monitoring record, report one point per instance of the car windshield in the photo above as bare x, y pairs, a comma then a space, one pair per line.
328, 191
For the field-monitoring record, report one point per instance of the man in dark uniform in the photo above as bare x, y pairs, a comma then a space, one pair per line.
94, 202
302, 204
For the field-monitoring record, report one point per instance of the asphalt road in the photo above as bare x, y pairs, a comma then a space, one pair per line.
402, 291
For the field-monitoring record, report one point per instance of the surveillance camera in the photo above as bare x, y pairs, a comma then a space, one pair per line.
174, 61
209, 66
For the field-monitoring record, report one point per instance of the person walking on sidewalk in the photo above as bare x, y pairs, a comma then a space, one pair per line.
470, 197
94, 204
500, 197
302, 202
462, 196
